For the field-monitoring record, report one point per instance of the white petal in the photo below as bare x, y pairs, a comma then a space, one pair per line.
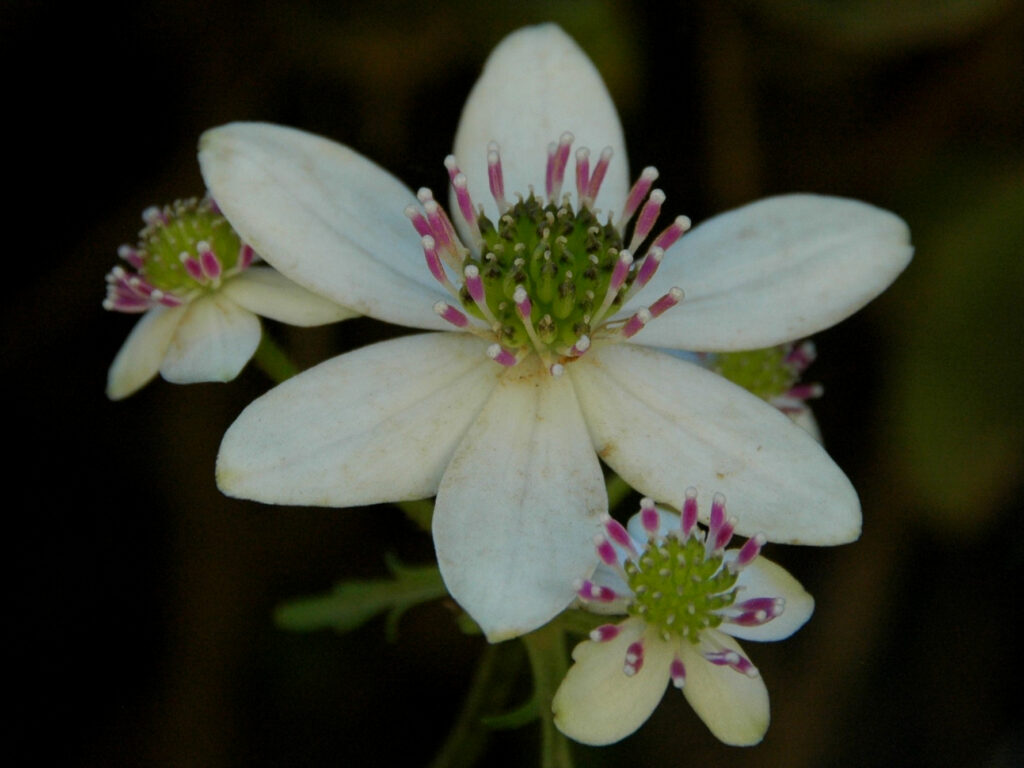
763, 578
598, 703
139, 358
265, 292
377, 424
536, 85
664, 424
324, 216
519, 505
775, 270
214, 341
733, 705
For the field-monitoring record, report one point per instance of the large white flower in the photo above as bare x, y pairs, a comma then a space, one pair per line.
193, 281
504, 415
688, 597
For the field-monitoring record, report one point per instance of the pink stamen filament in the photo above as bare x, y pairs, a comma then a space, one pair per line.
636, 323
451, 314
732, 659
502, 356
648, 216
605, 632
597, 177
582, 171
677, 672
670, 235
666, 302
606, 551
557, 162
209, 261
595, 593
689, 517
620, 536
649, 516
496, 177
634, 658
749, 551
637, 195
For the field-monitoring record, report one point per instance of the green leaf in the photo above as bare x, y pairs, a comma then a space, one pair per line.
352, 603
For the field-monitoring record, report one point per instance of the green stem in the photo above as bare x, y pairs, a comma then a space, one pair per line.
489, 690
618, 489
273, 361
420, 512
549, 663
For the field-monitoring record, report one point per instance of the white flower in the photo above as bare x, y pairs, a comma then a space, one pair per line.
193, 279
478, 414
687, 597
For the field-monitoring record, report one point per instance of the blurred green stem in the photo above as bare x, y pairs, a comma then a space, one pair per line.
545, 648
273, 361
490, 689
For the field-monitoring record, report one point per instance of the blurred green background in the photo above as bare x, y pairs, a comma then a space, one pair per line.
143, 598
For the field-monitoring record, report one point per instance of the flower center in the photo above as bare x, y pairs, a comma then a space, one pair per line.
773, 374
679, 587
548, 277
185, 249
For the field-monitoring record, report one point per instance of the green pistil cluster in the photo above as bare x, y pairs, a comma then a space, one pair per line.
679, 588
564, 259
764, 372
177, 229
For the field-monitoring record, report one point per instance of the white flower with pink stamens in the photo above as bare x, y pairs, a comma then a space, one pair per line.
688, 597
547, 299
193, 279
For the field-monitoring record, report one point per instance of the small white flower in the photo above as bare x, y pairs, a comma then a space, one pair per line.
505, 414
687, 597
193, 279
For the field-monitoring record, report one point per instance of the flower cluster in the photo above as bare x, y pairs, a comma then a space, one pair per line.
687, 597
511, 450
192, 277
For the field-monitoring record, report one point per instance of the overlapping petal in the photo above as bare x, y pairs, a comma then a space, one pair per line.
732, 705
763, 578
378, 424
537, 84
519, 505
139, 358
597, 703
268, 293
775, 270
324, 216
664, 424
213, 342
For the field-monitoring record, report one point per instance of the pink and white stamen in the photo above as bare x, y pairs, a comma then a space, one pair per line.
548, 277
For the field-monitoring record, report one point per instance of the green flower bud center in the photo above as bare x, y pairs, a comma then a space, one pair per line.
564, 259
188, 223
763, 372
678, 588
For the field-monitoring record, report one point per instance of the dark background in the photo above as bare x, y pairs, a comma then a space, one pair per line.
142, 626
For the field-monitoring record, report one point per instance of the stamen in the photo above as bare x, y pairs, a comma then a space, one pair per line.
495, 177
619, 274
634, 658
606, 551
434, 264
666, 302
754, 612
418, 220
594, 185
460, 185
674, 231
636, 323
648, 216
192, 266
557, 161
732, 659
649, 518
582, 345
582, 172
748, 552
475, 286
801, 356
451, 314
246, 255
637, 195
502, 356
677, 672
619, 535
605, 632
689, 517
595, 593
209, 261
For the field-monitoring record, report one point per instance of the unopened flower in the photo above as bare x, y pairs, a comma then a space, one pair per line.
192, 279
546, 290
687, 597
